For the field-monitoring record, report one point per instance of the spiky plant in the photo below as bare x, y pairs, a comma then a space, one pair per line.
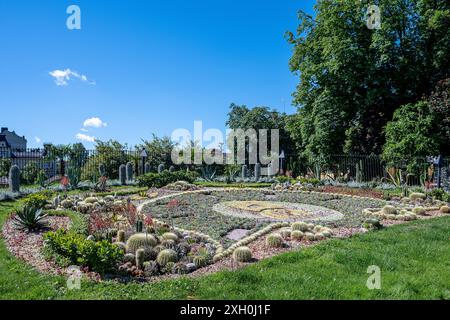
151, 268
274, 240
242, 254
140, 240
140, 253
389, 210
417, 196
445, 209
170, 236
299, 226
200, 261
419, 211
166, 256
297, 235
121, 236
30, 218
286, 233
180, 268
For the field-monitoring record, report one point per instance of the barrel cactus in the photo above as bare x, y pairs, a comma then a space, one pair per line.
297, 235
419, 211
121, 236
123, 174
166, 256
140, 253
129, 171
160, 168
389, 210
140, 240
180, 268
257, 172
445, 209
200, 261
242, 254
102, 170
286, 233
274, 241
299, 226
170, 236
14, 179
417, 196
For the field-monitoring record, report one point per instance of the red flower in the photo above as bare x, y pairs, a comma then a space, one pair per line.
148, 221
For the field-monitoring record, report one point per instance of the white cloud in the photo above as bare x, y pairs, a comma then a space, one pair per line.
85, 137
84, 130
62, 77
94, 122
37, 139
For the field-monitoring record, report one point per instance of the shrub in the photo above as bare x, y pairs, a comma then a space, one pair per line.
100, 256
30, 218
274, 241
159, 180
166, 256
38, 200
140, 240
242, 254
30, 173
437, 194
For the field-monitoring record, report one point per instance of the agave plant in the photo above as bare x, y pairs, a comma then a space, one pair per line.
30, 218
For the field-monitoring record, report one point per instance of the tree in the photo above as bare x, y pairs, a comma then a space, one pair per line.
159, 151
241, 117
352, 79
439, 102
410, 134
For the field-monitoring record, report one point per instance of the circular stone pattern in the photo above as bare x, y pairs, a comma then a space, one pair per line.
277, 211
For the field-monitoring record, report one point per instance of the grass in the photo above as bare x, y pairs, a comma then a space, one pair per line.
414, 261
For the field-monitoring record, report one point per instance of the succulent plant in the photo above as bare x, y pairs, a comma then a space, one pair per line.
310, 236
129, 257
419, 211
121, 245
160, 168
169, 244
139, 241
180, 268
299, 226
183, 248
129, 171
242, 254
151, 268
140, 253
286, 233
14, 179
274, 240
166, 256
319, 236
445, 209
218, 257
297, 235
389, 210
417, 196
150, 254
102, 170
120, 236
170, 236
200, 261
123, 174
30, 218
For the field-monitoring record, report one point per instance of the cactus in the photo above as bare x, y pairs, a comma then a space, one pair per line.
121, 236
150, 268
242, 254
200, 261
309, 236
150, 254
172, 169
419, 211
160, 168
170, 236
121, 246
274, 241
166, 256
129, 257
102, 170
244, 171
257, 172
139, 226
140, 258
445, 209
285, 233
147, 167
180, 268
169, 244
14, 179
123, 174
140, 240
299, 226
129, 171
297, 235
417, 196
389, 210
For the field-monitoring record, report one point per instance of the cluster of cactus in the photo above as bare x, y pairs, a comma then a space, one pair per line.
309, 231
166, 256
417, 196
123, 174
139, 241
14, 179
274, 240
121, 245
242, 254
391, 213
129, 172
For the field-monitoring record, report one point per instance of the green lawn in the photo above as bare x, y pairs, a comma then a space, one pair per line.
414, 261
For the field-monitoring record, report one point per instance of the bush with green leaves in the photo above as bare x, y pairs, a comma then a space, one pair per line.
30, 218
38, 200
159, 180
98, 256
5, 165
30, 173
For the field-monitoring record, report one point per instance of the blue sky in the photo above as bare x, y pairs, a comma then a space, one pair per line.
140, 67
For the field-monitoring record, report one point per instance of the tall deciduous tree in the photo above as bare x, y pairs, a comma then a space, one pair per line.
353, 78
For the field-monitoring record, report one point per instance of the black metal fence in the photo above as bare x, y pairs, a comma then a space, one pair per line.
53, 164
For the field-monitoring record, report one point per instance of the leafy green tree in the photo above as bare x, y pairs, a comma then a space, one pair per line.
159, 151
411, 134
352, 78
5, 165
